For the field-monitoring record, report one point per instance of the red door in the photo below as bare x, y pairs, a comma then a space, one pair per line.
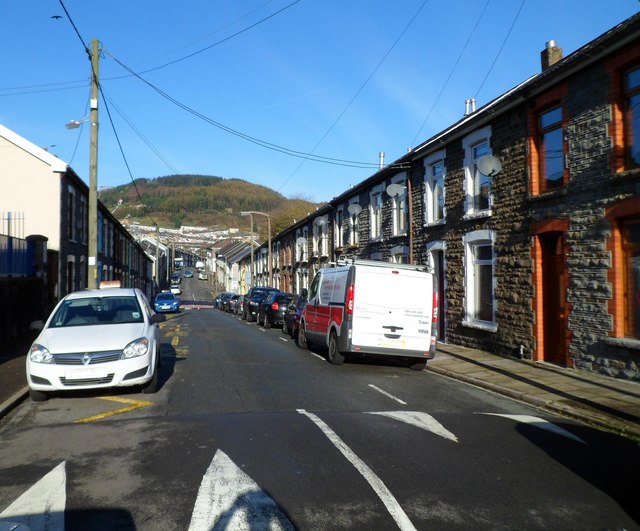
554, 304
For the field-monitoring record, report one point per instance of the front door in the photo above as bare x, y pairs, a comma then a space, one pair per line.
554, 304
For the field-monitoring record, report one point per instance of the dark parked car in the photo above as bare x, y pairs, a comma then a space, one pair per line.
224, 301
231, 304
272, 308
252, 300
292, 313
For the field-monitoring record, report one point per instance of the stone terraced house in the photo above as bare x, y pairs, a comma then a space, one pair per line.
527, 210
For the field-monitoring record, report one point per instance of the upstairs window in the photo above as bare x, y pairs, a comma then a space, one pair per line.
434, 189
632, 117
375, 210
337, 231
478, 198
551, 149
399, 207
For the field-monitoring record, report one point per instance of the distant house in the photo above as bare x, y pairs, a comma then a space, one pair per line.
53, 202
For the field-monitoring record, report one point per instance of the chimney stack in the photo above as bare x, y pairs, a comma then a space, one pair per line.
550, 55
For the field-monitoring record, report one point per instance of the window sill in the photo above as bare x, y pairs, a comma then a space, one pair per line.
624, 342
481, 325
435, 223
627, 175
551, 194
399, 235
477, 214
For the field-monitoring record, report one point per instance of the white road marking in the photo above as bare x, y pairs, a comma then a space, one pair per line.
376, 483
283, 339
229, 499
42, 505
539, 423
388, 394
420, 420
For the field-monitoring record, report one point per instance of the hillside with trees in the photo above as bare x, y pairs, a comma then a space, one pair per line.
203, 200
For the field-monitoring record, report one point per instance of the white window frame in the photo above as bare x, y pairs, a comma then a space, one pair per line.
375, 212
72, 216
471, 172
399, 206
472, 241
305, 246
354, 224
399, 254
430, 187
338, 236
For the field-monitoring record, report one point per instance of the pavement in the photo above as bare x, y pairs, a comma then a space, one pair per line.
599, 401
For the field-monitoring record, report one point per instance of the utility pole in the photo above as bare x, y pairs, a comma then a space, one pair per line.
92, 260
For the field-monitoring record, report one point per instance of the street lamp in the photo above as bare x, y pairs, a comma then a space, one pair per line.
251, 213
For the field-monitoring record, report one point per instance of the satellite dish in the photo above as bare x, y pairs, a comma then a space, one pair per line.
320, 221
395, 189
489, 165
354, 209
301, 241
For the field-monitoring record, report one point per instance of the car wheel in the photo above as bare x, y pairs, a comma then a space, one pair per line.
152, 385
303, 343
37, 396
267, 323
335, 356
417, 364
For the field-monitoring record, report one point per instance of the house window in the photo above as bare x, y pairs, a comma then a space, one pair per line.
83, 221
399, 255
71, 215
304, 255
551, 150
354, 224
399, 208
375, 210
478, 197
631, 253
434, 189
338, 238
632, 117
479, 280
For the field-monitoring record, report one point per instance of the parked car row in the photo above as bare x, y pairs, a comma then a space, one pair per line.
268, 307
358, 307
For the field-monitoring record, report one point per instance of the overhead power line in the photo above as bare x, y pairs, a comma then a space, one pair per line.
244, 136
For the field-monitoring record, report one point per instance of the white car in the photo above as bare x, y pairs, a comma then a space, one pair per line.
203, 275
96, 339
175, 289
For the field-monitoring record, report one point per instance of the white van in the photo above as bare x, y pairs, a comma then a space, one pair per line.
372, 307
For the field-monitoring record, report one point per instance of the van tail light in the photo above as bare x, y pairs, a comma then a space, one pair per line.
350, 294
274, 306
434, 324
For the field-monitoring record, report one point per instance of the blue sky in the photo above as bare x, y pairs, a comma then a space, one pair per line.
339, 79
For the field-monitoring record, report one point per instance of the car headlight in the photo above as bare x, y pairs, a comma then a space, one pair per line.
40, 354
136, 348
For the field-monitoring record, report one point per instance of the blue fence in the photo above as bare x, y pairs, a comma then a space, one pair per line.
16, 257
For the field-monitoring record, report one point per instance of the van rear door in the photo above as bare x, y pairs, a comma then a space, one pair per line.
392, 311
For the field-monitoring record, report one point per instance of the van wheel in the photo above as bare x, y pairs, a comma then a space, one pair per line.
335, 356
417, 364
303, 343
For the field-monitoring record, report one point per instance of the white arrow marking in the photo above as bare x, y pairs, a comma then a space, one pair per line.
420, 420
385, 495
41, 506
229, 499
539, 423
